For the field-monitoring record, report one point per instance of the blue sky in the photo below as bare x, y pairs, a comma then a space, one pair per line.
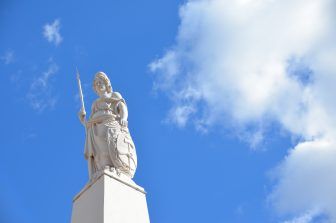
230, 105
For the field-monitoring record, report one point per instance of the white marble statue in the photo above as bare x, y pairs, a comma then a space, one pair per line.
108, 142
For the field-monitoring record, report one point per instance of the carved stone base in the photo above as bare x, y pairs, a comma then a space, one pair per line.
110, 198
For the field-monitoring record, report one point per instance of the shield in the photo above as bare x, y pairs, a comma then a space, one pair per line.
126, 153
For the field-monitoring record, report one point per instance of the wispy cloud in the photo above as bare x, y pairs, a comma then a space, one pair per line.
8, 57
52, 32
180, 115
40, 94
27, 136
307, 217
251, 62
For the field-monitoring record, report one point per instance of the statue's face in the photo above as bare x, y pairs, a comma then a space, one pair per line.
100, 86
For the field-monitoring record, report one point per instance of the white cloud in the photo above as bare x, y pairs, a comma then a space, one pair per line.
8, 57
306, 179
307, 217
40, 94
180, 115
52, 32
247, 62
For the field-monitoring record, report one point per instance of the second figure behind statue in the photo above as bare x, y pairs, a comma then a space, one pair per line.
108, 141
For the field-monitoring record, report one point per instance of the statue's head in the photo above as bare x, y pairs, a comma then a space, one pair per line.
101, 78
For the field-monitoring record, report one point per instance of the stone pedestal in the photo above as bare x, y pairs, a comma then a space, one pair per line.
110, 199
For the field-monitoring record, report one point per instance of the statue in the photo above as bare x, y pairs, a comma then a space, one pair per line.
108, 142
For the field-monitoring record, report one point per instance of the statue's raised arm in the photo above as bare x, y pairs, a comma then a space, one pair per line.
109, 144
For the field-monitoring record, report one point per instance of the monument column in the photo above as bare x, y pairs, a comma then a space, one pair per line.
110, 196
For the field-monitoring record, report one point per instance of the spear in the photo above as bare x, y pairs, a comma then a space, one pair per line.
80, 92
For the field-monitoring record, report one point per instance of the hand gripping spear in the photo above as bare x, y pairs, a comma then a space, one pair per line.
82, 111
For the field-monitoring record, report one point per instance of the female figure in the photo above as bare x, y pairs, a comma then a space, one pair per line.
108, 141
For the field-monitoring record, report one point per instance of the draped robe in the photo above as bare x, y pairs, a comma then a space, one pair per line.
108, 143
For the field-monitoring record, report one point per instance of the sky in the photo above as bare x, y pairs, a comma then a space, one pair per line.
231, 105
